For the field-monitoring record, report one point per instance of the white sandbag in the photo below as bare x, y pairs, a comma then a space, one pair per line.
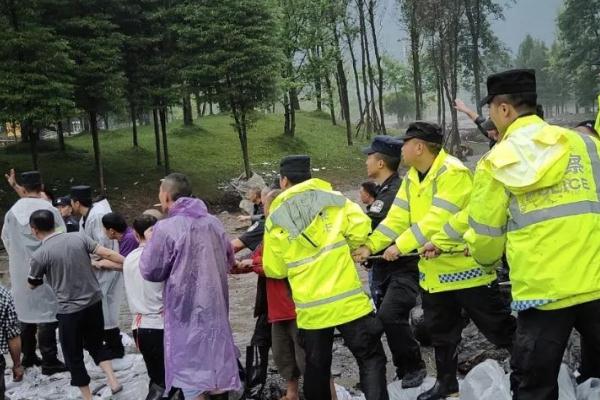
589, 390
486, 381
566, 384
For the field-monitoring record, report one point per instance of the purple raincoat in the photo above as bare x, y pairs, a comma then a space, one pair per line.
191, 253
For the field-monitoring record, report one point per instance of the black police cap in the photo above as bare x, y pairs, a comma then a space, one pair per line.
514, 81
295, 165
82, 192
385, 145
426, 131
31, 178
62, 201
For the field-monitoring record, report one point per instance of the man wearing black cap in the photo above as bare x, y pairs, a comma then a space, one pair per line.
309, 235
36, 311
436, 187
536, 195
111, 280
396, 283
63, 205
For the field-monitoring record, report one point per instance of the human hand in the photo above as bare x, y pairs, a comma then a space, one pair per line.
18, 373
11, 178
430, 251
244, 218
391, 253
460, 106
360, 255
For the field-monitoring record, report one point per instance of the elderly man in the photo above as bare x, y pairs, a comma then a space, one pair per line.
190, 252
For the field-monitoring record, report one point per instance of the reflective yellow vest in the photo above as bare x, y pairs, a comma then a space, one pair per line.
537, 194
309, 236
597, 126
419, 211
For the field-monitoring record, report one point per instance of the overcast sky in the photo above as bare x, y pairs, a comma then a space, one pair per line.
536, 17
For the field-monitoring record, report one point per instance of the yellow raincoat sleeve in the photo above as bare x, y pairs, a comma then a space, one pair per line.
597, 126
396, 222
450, 238
275, 246
488, 214
452, 195
358, 225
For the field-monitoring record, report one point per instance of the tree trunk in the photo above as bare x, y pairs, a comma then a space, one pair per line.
188, 119
156, 136
60, 134
363, 48
199, 112
353, 58
363, 28
287, 117
133, 124
240, 125
163, 124
414, 49
105, 117
330, 98
96, 144
34, 135
339, 93
379, 68
473, 12
342, 81
294, 99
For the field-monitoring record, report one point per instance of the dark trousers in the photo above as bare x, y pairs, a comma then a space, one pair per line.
540, 343
400, 296
2, 383
82, 330
150, 344
363, 338
112, 340
46, 339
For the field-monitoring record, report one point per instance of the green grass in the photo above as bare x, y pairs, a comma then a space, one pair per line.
208, 152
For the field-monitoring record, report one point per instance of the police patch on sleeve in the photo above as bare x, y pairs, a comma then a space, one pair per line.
377, 206
253, 227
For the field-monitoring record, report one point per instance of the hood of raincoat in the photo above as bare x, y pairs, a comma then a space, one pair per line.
188, 207
532, 155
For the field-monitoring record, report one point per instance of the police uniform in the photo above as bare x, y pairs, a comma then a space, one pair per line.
537, 195
451, 282
71, 222
395, 284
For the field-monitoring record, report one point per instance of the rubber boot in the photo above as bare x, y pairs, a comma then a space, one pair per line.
156, 392
446, 384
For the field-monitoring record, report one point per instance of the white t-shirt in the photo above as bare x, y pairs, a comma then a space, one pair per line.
145, 298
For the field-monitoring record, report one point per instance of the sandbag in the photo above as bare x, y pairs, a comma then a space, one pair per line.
487, 381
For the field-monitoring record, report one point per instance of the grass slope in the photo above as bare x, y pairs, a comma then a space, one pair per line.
208, 152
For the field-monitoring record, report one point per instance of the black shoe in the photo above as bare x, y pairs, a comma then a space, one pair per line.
53, 367
443, 388
156, 392
30, 361
413, 379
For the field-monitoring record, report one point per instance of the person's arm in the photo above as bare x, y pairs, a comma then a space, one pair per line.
237, 245
460, 106
12, 181
110, 258
11, 328
14, 348
358, 225
158, 256
276, 242
488, 215
37, 269
453, 191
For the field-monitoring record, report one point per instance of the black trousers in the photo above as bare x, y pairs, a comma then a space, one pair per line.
400, 291
540, 343
150, 343
46, 339
112, 340
2, 383
483, 304
82, 330
363, 338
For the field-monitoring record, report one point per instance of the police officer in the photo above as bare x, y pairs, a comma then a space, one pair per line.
537, 195
309, 235
437, 186
395, 283
63, 205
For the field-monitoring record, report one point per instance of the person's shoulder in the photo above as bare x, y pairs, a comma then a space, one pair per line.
5, 294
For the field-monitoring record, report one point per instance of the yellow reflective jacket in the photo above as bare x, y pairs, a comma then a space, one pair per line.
597, 126
420, 210
537, 193
309, 236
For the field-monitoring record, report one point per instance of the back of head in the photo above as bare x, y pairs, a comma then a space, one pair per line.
82, 194
370, 188
295, 168
142, 223
42, 220
115, 222
32, 181
177, 185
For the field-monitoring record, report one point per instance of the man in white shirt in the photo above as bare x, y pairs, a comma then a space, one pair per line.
146, 304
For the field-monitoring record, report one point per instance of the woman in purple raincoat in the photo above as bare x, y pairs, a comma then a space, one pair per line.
191, 253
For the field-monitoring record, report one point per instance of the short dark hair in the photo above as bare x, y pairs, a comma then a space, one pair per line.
522, 102
86, 202
369, 187
177, 185
114, 221
296, 177
142, 223
434, 148
42, 220
35, 188
392, 163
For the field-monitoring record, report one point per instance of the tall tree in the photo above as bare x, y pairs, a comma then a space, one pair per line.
412, 14
371, 9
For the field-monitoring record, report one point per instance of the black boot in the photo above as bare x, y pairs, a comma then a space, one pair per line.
51, 367
446, 384
257, 359
175, 394
156, 392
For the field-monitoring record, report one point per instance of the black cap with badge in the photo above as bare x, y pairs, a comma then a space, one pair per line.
427, 131
385, 145
31, 178
62, 201
514, 81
